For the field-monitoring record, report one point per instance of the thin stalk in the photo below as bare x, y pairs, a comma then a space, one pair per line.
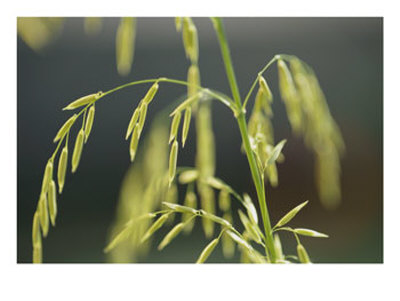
257, 179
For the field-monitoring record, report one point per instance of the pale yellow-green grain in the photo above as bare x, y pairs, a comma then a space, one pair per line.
151, 93
62, 168
134, 142
48, 174
172, 162
83, 101
174, 126
142, 117
77, 153
36, 239
125, 45
157, 225
186, 125
302, 254
170, 236
89, 122
132, 122
290, 215
44, 215
52, 202
65, 127
207, 251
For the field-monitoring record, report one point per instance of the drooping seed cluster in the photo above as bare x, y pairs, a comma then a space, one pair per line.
46, 210
310, 117
125, 44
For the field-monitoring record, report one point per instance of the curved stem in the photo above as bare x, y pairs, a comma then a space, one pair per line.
257, 179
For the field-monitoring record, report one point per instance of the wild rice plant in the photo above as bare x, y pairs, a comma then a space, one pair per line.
259, 242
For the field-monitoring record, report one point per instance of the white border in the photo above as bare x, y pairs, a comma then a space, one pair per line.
151, 282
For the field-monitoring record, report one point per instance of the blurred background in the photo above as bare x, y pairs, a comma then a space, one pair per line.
346, 54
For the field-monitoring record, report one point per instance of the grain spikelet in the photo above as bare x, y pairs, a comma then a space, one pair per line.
157, 225
65, 127
125, 44
180, 208
76, 155
52, 200
309, 232
174, 126
188, 176
151, 93
132, 122
142, 117
207, 251
170, 236
290, 215
36, 239
48, 174
134, 142
302, 254
44, 215
186, 125
62, 168
265, 88
83, 101
37, 254
172, 162
89, 122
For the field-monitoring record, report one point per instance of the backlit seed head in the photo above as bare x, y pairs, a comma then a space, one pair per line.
52, 200
83, 101
132, 122
186, 125
302, 254
134, 142
48, 174
207, 251
89, 122
76, 155
173, 156
62, 168
65, 128
174, 126
151, 93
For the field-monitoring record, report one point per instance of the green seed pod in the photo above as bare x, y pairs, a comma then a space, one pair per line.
132, 122
216, 219
302, 254
125, 44
76, 155
170, 236
240, 241
173, 156
290, 215
37, 254
48, 174
186, 125
174, 126
265, 88
224, 200
151, 93
62, 168
36, 239
65, 128
83, 101
89, 122
309, 232
142, 118
207, 251
120, 237
180, 208
52, 200
44, 215
157, 225
134, 142
188, 176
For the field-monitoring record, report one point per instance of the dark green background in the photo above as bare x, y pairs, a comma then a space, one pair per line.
346, 54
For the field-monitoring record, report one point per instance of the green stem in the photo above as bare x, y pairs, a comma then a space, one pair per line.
257, 179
